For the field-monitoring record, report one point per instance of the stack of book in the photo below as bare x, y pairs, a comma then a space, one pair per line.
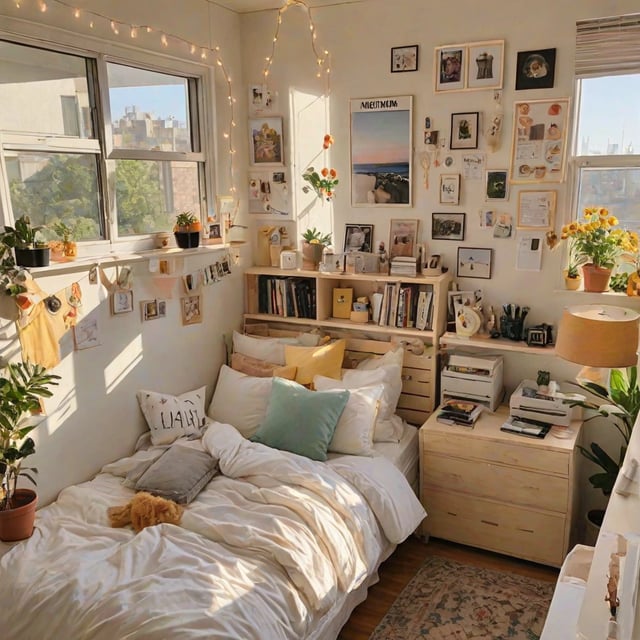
462, 412
403, 266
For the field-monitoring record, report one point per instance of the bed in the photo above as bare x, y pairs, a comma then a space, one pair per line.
275, 545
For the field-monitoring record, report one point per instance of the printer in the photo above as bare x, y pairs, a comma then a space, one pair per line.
475, 378
552, 407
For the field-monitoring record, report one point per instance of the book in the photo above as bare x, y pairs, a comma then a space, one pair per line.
461, 411
525, 427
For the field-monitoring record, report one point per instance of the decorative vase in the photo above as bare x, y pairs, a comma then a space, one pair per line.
596, 279
17, 523
32, 257
311, 255
571, 283
70, 249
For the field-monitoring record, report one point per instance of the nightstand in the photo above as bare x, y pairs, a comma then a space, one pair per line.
500, 491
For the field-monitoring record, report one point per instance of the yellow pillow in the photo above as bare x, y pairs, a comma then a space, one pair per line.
316, 361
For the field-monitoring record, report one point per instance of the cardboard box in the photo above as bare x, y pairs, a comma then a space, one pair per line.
342, 300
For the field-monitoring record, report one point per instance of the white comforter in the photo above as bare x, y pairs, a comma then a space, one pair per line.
267, 550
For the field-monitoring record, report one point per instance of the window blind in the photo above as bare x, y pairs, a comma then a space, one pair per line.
608, 46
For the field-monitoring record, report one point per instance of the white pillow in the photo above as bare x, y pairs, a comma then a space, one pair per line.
394, 356
170, 417
240, 400
354, 431
268, 349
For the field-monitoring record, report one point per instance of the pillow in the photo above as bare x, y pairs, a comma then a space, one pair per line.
260, 368
268, 349
354, 432
179, 474
240, 400
316, 361
170, 417
299, 420
394, 356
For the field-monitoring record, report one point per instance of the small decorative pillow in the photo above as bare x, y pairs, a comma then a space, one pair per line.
261, 369
179, 474
325, 360
170, 417
267, 349
354, 432
240, 400
300, 420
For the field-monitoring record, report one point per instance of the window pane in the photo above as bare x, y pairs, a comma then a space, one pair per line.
43, 92
149, 194
616, 189
52, 187
149, 110
609, 119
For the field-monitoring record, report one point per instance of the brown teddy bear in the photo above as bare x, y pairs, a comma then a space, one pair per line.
145, 510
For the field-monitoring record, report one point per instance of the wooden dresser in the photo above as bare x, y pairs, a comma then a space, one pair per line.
499, 491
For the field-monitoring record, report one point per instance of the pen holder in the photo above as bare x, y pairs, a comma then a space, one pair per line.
511, 328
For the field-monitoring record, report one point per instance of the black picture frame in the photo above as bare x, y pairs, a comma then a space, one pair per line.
404, 58
358, 237
447, 226
474, 262
464, 130
535, 69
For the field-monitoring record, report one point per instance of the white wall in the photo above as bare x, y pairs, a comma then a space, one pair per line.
94, 416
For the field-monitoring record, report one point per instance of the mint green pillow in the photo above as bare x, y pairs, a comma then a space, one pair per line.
300, 420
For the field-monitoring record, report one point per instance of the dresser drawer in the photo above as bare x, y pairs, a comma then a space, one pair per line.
506, 484
505, 453
497, 527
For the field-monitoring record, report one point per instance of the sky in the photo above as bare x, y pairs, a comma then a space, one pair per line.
162, 100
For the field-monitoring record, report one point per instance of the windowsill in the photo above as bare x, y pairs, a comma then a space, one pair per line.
117, 258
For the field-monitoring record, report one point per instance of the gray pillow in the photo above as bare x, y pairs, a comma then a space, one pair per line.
179, 474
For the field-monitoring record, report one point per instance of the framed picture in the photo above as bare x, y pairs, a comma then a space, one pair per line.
381, 151
404, 58
215, 233
266, 143
260, 98
496, 184
447, 226
535, 69
539, 144
191, 310
403, 236
121, 301
464, 130
536, 210
431, 137
474, 263
450, 67
486, 64
450, 188
358, 237
153, 309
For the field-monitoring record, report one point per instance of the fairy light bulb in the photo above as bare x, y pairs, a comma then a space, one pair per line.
164, 41
149, 29
133, 32
192, 49
17, 5
203, 54
91, 24
76, 13
43, 7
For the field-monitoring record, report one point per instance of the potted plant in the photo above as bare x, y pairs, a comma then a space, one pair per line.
313, 245
187, 230
30, 250
21, 387
67, 235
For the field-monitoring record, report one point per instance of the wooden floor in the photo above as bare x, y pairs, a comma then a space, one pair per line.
396, 572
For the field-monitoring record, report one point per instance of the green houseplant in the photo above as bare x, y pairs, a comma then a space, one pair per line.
313, 245
67, 234
21, 388
24, 239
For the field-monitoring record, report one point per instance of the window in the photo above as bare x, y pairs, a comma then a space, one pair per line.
607, 143
110, 148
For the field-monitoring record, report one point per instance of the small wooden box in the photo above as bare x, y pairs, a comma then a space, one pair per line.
342, 301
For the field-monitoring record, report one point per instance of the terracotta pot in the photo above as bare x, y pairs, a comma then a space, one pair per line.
596, 279
311, 255
17, 523
572, 283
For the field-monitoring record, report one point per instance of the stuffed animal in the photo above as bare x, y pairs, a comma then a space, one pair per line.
145, 510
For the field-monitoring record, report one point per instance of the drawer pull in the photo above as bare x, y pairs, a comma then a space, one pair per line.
493, 524
450, 513
527, 530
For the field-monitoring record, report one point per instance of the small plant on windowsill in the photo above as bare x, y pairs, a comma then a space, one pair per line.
24, 238
187, 230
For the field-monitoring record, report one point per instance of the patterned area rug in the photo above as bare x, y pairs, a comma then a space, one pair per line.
447, 600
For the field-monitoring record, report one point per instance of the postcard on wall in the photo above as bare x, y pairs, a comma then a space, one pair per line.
539, 141
266, 143
450, 67
536, 209
381, 153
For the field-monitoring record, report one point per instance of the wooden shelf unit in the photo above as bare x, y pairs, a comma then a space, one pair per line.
496, 344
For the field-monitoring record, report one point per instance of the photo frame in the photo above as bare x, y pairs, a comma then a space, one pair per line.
450, 67
535, 69
536, 210
266, 144
496, 184
121, 301
153, 309
485, 68
464, 130
474, 262
404, 58
381, 127
450, 188
539, 141
215, 233
191, 310
260, 98
358, 237
447, 226
403, 238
